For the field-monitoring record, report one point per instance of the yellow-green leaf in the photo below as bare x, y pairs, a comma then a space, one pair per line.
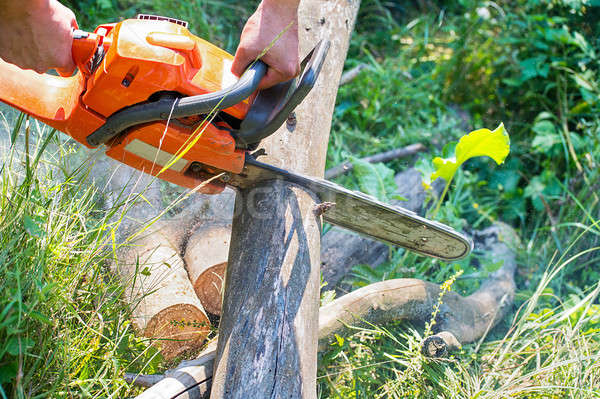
483, 142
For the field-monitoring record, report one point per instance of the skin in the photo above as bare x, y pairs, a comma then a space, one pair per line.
272, 18
38, 36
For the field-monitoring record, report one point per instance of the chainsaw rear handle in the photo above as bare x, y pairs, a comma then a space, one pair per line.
83, 49
169, 107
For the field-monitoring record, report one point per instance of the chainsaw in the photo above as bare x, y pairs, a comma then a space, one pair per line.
164, 101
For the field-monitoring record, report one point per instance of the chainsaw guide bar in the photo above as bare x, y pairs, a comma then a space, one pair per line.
366, 215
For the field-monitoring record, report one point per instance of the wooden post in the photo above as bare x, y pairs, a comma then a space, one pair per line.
269, 327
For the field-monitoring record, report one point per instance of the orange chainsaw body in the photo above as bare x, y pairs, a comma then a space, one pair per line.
141, 58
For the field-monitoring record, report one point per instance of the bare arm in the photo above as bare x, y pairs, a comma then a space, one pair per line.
273, 18
36, 34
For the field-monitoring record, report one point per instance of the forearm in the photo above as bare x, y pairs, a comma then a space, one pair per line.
36, 34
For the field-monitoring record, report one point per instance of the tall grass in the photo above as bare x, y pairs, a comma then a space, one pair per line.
547, 352
64, 328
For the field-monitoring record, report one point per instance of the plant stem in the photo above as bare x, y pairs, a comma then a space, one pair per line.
441, 199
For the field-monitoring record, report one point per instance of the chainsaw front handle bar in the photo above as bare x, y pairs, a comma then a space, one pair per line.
168, 106
274, 105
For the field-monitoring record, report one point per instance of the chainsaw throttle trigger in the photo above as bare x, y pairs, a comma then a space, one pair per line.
168, 107
272, 106
83, 50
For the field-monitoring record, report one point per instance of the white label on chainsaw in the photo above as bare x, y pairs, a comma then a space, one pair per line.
229, 79
155, 155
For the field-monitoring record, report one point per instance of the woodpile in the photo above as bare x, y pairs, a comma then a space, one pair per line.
461, 320
206, 259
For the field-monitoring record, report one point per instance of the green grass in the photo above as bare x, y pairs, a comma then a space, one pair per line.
64, 328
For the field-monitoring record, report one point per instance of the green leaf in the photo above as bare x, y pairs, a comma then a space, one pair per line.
427, 170
532, 67
483, 142
375, 179
40, 317
12, 346
32, 227
546, 136
8, 372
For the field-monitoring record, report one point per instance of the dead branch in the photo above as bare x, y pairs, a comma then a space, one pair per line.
440, 344
350, 75
381, 157
467, 318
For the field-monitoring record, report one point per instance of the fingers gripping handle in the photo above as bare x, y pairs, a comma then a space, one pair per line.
83, 49
272, 106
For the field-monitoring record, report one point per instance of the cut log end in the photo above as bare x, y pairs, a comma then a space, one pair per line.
209, 287
440, 344
179, 328
206, 260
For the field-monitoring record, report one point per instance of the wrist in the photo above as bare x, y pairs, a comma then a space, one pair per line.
289, 5
16, 9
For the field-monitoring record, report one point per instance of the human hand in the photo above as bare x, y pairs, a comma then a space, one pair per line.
37, 34
271, 19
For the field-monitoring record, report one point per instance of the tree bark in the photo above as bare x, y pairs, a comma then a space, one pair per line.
268, 332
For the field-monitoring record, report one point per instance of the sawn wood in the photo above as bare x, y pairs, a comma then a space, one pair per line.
366, 215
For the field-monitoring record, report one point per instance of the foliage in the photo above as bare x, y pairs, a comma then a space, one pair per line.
64, 328
374, 179
533, 65
483, 142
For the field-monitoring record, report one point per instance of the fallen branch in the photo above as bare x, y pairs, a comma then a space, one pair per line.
382, 157
440, 344
350, 75
467, 318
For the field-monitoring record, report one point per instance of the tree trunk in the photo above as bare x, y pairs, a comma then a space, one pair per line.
268, 333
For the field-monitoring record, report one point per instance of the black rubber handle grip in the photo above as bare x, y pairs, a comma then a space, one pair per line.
272, 106
179, 107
